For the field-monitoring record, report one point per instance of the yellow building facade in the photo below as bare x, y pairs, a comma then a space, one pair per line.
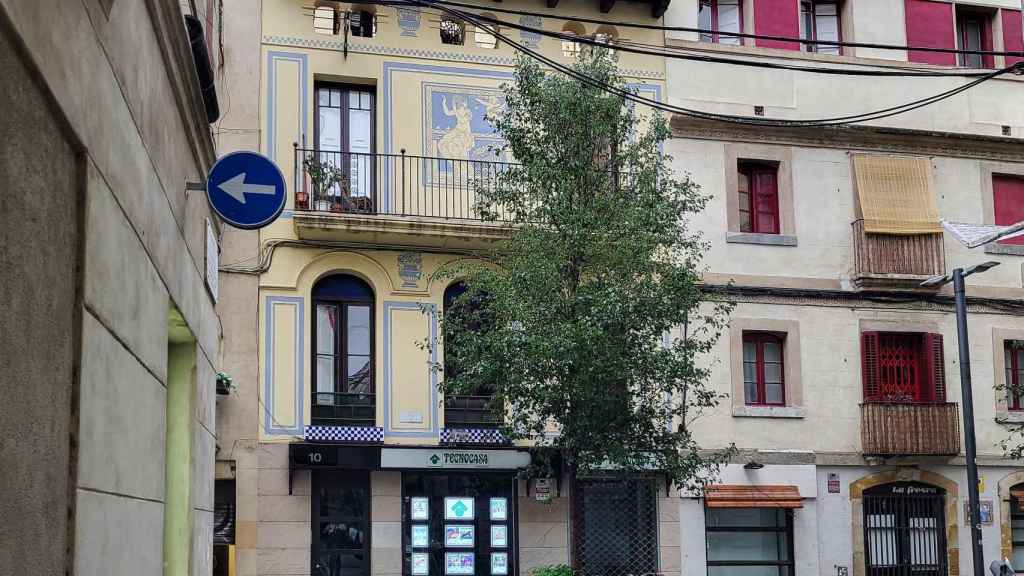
344, 455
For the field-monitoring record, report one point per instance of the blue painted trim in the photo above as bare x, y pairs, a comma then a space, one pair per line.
272, 57
268, 365
434, 431
390, 67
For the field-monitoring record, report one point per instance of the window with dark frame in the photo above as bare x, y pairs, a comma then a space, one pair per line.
1008, 203
903, 367
1013, 351
758, 190
345, 139
362, 23
721, 16
821, 22
974, 32
341, 523
343, 374
749, 540
473, 410
763, 369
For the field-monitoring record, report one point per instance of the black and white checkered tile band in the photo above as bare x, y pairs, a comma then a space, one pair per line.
360, 434
472, 436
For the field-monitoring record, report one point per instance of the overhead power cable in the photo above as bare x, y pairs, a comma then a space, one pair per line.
670, 52
749, 120
802, 41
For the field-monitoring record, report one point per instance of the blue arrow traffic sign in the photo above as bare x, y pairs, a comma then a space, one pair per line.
247, 189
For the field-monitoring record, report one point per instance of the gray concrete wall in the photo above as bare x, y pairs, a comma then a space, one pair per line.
40, 236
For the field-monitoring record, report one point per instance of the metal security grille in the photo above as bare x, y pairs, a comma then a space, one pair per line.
615, 529
905, 530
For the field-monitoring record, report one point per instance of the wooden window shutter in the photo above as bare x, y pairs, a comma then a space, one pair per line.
935, 368
869, 366
777, 18
1013, 34
930, 25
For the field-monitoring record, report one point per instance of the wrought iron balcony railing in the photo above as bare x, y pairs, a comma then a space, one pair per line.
888, 429
471, 412
344, 409
391, 184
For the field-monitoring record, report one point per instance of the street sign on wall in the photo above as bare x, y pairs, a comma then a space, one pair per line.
247, 189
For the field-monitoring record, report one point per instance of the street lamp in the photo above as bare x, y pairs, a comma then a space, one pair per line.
967, 399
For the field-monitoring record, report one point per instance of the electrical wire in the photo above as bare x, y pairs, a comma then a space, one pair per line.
803, 41
749, 120
671, 52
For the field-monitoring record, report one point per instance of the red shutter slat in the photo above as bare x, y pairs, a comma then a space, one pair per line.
935, 368
1013, 35
869, 366
777, 18
930, 25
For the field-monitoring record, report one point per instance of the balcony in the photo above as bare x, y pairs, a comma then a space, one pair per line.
895, 261
394, 199
344, 409
910, 429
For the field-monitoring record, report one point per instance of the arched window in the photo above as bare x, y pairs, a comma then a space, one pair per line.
607, 35
343, 352
905, 529
571, 48
471, 410
1017, 525
453, 31
483, 37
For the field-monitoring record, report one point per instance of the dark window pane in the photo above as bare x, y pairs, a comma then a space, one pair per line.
342, 501
341, 535
747, 546
745, 517
339, 564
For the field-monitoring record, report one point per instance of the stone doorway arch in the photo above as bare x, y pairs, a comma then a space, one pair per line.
857, 489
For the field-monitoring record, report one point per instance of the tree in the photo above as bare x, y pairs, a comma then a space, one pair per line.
567, 321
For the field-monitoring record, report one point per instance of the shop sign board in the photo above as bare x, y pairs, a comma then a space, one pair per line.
456, 508
463, 459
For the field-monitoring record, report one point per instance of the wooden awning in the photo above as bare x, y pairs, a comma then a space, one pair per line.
750, 496
896, 195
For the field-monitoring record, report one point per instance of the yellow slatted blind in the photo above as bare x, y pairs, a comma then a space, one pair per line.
896, 195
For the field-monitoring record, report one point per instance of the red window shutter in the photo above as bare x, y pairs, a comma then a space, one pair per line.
869, 366
1013, 34
777, 18
930, 25
935, 369
766, 201
1008, 202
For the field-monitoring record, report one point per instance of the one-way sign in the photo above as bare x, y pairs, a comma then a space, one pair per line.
247, 189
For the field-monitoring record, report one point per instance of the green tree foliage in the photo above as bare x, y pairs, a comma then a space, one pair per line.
567, 321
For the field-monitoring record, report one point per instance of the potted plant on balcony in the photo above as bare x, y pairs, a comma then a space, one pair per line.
328, 182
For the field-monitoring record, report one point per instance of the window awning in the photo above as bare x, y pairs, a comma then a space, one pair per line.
896, 195
750, 496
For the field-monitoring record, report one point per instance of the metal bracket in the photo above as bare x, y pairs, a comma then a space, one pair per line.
194, 187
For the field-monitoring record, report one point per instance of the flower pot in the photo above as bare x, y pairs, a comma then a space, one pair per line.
301, 200
336, 207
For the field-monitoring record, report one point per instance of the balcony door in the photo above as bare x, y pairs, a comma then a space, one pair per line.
905, 530
345, 140
903, 367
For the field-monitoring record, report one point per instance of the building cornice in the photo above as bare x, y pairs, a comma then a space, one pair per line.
862, 299
181, 71
862, 138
